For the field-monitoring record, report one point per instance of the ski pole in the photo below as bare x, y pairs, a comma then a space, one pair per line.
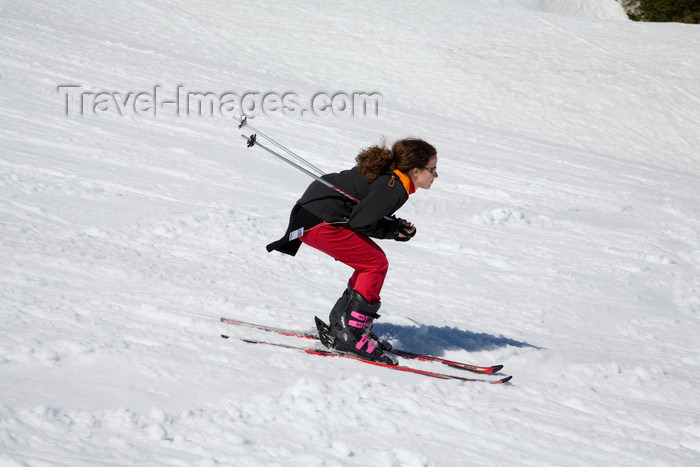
244, 122
252, 141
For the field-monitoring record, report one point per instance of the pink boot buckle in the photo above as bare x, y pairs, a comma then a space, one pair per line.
364, 320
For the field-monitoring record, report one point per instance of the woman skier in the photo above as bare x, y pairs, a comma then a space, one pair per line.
332, 223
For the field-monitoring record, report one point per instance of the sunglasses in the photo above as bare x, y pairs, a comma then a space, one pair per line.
432, 170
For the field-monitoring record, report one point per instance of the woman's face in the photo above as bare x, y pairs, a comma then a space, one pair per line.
425, 176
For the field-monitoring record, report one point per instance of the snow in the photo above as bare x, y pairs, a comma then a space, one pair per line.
596, 9
562, 238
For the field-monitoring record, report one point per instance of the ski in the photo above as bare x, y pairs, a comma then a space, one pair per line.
330, 353
401, 353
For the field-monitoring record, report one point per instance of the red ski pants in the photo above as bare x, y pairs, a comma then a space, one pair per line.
356, 250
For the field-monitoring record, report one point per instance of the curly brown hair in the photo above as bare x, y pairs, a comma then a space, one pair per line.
404, 155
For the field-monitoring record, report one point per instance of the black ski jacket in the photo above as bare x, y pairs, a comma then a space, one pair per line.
319, 203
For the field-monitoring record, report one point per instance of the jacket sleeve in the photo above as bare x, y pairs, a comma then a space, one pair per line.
382, 200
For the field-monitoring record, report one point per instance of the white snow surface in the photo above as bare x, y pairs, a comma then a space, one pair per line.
561, 239
597, 9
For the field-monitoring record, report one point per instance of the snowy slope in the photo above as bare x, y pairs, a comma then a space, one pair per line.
596, 9
562, 238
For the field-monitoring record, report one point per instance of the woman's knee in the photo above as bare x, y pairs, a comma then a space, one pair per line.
381, 263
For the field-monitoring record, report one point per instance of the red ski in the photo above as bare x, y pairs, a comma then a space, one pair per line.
401, 353
329, 353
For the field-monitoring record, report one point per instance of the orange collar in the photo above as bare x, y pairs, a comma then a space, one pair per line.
406, 181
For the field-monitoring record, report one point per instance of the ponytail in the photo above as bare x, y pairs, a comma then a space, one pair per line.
404, 155
374, 161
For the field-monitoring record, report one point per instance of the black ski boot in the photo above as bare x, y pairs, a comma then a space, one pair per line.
337, 313
352, 331
339, 307
325, 331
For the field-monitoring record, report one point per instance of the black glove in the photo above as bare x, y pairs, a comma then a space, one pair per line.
405, 232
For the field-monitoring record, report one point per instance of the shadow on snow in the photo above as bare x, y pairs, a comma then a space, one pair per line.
435, 341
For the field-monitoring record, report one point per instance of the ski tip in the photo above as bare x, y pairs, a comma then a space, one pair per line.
224, 336
497, 368
503, 380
